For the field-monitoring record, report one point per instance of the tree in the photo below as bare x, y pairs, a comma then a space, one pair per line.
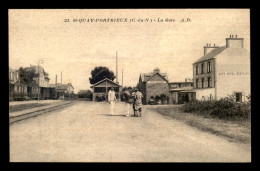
27, 75
85, 94
100, 73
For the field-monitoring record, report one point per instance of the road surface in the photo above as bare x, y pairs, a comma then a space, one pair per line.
85, 132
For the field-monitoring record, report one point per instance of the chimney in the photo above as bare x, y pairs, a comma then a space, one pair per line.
156, 70
234, 42
209, 48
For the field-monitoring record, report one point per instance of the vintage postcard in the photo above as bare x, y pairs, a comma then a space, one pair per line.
129, 85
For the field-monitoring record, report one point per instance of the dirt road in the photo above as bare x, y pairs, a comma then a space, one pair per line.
85, 132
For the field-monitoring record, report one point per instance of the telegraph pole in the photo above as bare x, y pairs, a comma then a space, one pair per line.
122, 77
39, 88
61, 85
116, 69
56, 87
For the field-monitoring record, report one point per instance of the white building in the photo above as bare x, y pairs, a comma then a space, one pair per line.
223, 71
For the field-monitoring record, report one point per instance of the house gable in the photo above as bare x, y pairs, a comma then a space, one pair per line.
104, 83
158, 78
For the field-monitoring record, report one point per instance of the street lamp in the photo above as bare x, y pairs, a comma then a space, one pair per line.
40, 61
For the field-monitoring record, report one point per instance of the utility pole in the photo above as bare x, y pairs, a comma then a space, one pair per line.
39, 88
116, 69
56, 87
61, 85
122, 77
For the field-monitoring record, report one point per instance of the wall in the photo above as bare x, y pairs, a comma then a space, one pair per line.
156, 89
233, 72
204, 94
173, 97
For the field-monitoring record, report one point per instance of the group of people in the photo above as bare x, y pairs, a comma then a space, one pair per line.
134, 99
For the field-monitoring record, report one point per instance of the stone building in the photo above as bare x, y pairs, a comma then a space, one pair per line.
223, 71
154, 86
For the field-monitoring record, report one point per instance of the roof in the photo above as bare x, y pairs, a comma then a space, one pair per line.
105, 80
187, 82
146, 76
181, 89
211, 54
61, 86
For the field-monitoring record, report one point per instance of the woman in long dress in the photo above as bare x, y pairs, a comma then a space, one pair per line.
137, 103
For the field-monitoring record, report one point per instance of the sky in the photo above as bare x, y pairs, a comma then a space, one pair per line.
76, 48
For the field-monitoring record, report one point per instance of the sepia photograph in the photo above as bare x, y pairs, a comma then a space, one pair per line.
129, 85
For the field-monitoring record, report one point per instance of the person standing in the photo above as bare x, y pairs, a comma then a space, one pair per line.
137, 103
111, 100
128, 98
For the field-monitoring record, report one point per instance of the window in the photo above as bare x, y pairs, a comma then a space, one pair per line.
209, 82
238, 97
197, 83
17, 88
202, 68
202, 83
209, 67
197, 69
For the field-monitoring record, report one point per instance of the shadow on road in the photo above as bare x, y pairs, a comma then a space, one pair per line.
118, 115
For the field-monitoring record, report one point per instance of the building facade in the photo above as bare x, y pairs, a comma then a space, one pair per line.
154, 86
41, 77
223, 72
34, 88
181, 92
17, 90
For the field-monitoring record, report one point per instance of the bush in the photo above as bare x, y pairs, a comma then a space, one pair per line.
223, 109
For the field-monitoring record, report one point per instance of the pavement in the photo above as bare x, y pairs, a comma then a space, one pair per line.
85, 132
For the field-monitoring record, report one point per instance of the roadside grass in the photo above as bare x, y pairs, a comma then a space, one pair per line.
233, 130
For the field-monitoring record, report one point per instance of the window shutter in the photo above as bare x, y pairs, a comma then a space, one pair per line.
243, 97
